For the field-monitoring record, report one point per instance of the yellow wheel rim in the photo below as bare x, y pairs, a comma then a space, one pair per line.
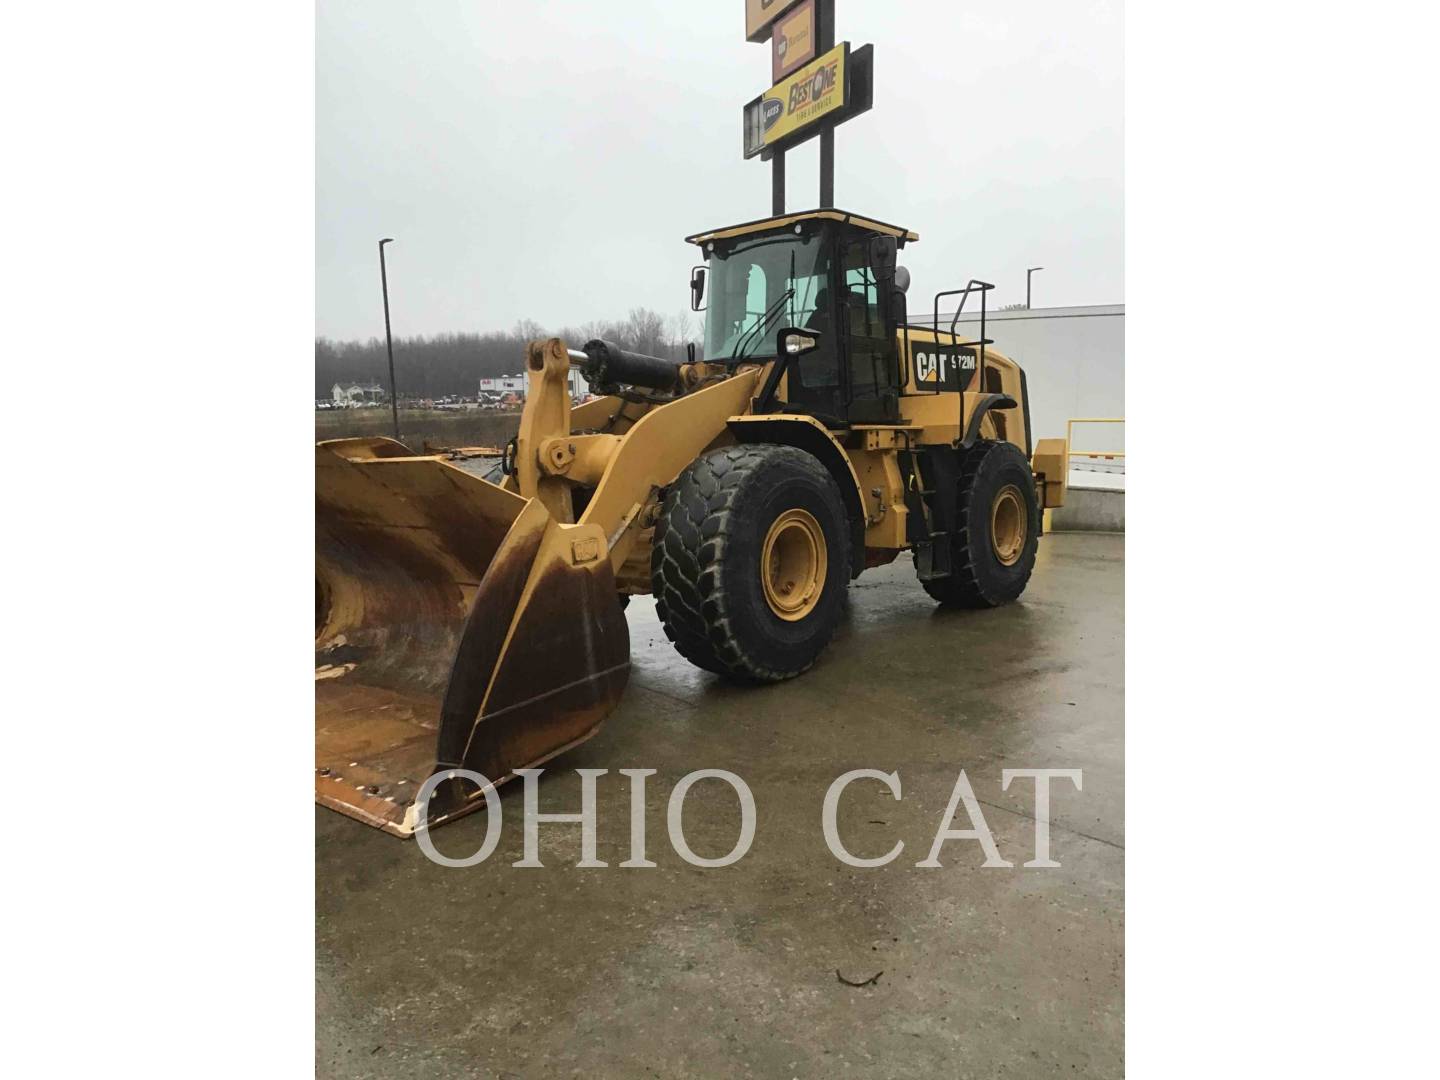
1008, 525
792, 565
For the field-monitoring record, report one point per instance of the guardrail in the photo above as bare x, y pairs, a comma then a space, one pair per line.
1106, 455
1099, 503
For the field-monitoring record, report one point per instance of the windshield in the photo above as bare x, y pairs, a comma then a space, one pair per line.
751, 278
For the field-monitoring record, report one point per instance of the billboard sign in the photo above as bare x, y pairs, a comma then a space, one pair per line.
792, 45
789, 110
760, 14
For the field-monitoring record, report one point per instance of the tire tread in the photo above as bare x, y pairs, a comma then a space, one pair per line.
965, 587
688, 557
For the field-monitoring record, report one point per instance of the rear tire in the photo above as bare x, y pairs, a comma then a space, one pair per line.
997, 530
750, 562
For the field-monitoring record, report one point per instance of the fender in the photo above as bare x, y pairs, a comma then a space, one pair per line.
808, 434
984, 405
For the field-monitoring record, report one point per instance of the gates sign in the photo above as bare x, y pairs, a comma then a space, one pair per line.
794, 104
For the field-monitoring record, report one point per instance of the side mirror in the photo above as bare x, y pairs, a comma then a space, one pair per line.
697, 288
883, 252
795, 342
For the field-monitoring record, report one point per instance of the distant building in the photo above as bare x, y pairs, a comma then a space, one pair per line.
516, 384
357, 394
503, 384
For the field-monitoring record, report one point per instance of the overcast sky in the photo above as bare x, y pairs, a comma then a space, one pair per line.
542, 159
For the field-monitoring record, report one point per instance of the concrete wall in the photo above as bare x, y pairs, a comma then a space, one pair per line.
1090, 510
1074, 361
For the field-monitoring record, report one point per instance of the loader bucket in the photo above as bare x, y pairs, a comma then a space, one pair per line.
458, 625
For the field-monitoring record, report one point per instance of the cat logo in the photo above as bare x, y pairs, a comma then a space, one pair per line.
939, 368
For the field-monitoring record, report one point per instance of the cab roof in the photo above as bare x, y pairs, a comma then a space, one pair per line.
767, 224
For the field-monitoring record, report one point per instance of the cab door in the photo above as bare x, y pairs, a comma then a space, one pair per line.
816, 380
866, 330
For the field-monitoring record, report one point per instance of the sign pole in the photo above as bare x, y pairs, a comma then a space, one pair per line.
827, 167
777, 183
825, 41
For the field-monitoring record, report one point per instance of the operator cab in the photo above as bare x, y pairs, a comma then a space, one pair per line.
827, 272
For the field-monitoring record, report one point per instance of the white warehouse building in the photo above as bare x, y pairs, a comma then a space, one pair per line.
1074, 361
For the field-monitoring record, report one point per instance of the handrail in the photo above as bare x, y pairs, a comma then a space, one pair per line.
983, 288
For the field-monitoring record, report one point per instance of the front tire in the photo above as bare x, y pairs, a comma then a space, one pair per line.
997, 530
750, 561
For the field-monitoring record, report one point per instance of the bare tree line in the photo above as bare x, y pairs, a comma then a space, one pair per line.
438, 365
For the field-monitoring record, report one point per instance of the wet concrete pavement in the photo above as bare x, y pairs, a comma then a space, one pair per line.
494, 971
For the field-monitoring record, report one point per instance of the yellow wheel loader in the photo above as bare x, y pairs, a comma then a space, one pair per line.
469, 607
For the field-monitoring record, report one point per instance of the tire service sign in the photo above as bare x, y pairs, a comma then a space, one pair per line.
795, 103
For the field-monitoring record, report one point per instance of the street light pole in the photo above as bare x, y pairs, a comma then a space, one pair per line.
389, 346
1027, 284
